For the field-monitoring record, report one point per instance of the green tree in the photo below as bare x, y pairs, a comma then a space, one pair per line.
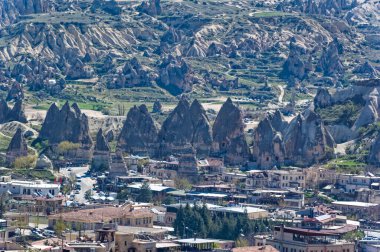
354, 235
145, 194
182, 184
59, 227
123, 195
66, 146
26, 162
168, 200
241, 242
88, 194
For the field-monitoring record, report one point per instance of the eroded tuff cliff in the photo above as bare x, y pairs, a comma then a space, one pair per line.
186, 126
228, 135
139, 133
66, 124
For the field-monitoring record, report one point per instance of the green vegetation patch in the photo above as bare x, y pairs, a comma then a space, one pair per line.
4, 142
345, 113
352, 164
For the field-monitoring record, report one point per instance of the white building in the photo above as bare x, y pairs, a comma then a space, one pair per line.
21, 187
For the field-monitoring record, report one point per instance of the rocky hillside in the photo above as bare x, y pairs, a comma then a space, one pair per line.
181, 46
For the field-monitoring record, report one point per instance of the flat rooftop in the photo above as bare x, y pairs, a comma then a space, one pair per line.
323, 232
239, 209
354, 203
200, 241
138, 230
153, 187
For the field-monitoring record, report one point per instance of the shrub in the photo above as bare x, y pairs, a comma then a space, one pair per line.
67, 146
25, 162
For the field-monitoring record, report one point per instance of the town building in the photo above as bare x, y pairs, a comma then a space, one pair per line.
364, 210
294, 239
252, 213
22, 187
91, 219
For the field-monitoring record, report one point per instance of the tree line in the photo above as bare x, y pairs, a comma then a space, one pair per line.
200, 222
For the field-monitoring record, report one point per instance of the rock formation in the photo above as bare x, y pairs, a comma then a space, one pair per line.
323, 98
172, 36
110, 135
196, 48
277, 121
228, 135
370, 112
67, 124
157, 107
201, 136
139, 133
133, 74
330, 63
15, 92
151, 7
15, 114
44, 163
366, 70
187, 126
175, 75
37, 74
10, 10
17, 147
215, 49
101, 155
268, 146
307, 140
117, 166
295, 68
374, 154
109, 6
79, 70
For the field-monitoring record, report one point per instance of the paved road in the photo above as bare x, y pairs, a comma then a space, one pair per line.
86, 183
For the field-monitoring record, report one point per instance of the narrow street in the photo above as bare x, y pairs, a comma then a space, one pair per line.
86, 183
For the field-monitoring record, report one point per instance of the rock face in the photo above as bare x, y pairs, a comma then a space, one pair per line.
10, 10
374, 154
172, 36
66, 124
109, 6
307, 140
44, 163
187, 126
14, 114
79, 70
228, 135
330, 63
37, 74
139, 133
370, 112
295, 68
175, 75
157, 107
15, 93
151, 7
366, 70
323, 98
268, 146
323, 7
17, 147
101, 155
133, 74
278, 121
